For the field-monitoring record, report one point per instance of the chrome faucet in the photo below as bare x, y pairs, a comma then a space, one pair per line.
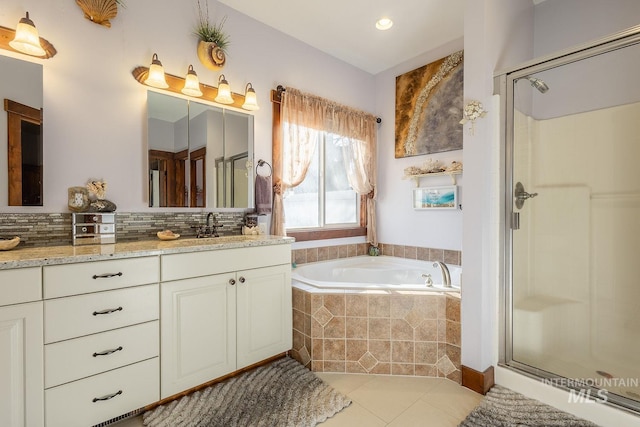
429, 281
446, 277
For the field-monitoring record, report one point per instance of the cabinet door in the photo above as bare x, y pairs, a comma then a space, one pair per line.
21, 366
264, 313
198, 341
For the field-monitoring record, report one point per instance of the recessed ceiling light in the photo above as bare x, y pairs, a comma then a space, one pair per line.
384, 23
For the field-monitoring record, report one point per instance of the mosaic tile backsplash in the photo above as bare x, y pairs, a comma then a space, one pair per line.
53, 229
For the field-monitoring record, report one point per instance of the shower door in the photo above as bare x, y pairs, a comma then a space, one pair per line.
573, 221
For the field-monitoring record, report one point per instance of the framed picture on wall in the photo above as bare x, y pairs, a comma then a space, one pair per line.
445, 197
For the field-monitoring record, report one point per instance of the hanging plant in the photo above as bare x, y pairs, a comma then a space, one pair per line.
213, 41
100, 11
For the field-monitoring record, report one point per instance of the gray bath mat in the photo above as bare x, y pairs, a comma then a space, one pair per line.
283, 393
502, 407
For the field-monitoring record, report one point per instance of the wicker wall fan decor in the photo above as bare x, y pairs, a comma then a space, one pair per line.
99, 11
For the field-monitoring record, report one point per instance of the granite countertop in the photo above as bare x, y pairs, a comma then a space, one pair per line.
52, 255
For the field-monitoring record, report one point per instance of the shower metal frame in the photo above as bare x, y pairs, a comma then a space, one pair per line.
504, 86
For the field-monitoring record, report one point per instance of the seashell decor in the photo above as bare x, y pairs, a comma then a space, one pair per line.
99, 11
210, 55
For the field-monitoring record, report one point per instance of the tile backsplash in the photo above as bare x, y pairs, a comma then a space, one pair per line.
52, 229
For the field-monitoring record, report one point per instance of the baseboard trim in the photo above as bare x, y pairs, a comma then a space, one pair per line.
480, 382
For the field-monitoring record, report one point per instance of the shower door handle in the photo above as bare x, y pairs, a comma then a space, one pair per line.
521, 195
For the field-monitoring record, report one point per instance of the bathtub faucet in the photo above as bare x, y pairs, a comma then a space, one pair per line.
428, 281
446, 277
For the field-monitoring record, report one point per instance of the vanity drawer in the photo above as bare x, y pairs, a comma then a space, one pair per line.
87, 277
72, 317
20, 285
196, 264
78, 403
71, 360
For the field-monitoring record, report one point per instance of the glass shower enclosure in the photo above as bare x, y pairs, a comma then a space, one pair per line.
571, 312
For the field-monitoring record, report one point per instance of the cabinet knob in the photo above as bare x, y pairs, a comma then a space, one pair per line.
242, 279
232, 282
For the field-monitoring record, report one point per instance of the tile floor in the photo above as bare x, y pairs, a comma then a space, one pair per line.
379, 400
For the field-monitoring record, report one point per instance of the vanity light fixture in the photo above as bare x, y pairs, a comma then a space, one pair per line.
25, 39
191, 83
384, 24
156, 74
224, 91
250, 100
177, 85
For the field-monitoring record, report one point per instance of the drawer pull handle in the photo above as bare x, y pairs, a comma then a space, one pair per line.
107, 311
242, 279
232, 282
106, 276
107, 397
107, 352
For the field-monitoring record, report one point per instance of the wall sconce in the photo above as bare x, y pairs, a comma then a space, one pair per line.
250, 100
25, 39
191, 83
155, 77
224, 91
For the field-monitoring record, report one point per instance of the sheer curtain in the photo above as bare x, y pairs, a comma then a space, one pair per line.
303, 118
359, 153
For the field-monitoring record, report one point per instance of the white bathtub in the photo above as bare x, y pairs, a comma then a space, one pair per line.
374, 273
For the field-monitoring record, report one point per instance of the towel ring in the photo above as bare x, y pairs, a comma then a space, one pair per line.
262, 163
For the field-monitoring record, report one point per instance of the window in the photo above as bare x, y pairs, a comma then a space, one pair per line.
325, 198
324, 168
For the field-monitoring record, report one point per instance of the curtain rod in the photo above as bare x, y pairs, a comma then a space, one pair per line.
281, 89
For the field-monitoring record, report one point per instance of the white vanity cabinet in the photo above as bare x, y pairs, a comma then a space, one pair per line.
221, 311
21, 348
101, 336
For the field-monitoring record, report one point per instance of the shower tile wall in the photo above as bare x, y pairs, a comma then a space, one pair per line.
391, 334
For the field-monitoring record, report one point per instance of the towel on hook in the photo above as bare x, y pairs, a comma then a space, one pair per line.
263, 194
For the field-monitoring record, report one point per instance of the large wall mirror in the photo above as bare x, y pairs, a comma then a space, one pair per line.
21, 133
200, 155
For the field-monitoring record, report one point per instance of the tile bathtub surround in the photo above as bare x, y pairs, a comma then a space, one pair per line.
392, 334
302, 256
54, 229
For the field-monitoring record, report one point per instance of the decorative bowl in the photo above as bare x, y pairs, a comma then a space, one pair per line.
167, 235
7, 244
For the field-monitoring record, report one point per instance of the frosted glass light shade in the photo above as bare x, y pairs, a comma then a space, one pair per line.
224, 91
27, 39
250, 100
156, 74
191, 83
